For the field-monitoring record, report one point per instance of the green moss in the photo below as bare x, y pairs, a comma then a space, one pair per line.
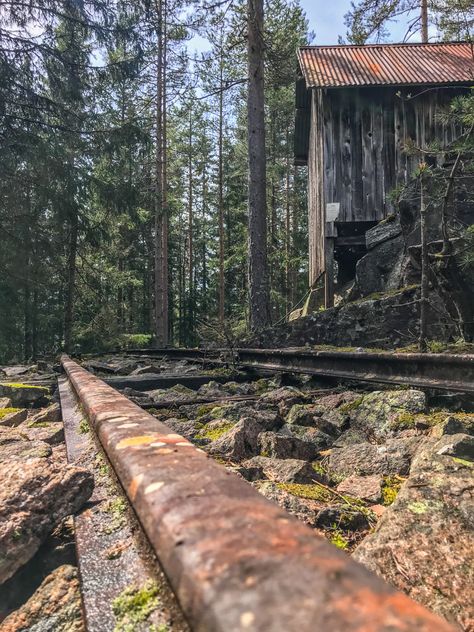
463, 461
214, 433
403, 420
339, 539
20, 385
117, 508
346, 408
217, 412
265, 453
390, 488
318, 468
438, 346
418, 507
17, 534
84, 426
101, 466
378, 296
204, 409
39, 424
134, 605
8, 411
306, 490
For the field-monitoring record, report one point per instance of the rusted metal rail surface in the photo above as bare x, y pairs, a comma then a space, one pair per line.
235, 560
443, 371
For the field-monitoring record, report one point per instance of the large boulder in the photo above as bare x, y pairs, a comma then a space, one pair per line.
424, 542
381, 320
380, 269
365, 459
380, 412
35, 496
54, 607
24, 394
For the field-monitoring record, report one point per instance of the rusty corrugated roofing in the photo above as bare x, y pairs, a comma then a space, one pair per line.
386, 64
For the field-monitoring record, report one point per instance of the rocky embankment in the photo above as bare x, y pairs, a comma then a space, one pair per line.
378, 473
39, 490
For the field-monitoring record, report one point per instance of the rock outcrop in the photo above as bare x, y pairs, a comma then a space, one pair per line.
54, 607
424, 543
35, 496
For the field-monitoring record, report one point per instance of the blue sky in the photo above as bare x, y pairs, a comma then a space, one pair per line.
326, 20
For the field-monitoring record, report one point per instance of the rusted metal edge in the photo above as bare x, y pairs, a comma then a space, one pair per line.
113, 554
236, 561
432, 370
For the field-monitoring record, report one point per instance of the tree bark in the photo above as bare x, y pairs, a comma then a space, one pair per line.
424, 269
259, 311
424, 21
160, 283
71, 281
221, 194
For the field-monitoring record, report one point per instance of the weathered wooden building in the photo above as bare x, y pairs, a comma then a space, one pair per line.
358, 109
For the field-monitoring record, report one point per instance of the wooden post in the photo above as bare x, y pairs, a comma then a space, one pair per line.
330, 237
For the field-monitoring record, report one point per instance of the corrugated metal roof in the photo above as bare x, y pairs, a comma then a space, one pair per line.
386, 64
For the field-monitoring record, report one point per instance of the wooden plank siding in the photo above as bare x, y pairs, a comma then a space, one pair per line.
316, 205
357, 151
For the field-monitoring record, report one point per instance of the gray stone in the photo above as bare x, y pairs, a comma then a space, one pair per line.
51, 413
13, 418
460, 446
283, 446
364, 487
304, 509
380, 412
54, 607
278, 470
17, 446
321, 440
424, 542
385, 230
364, 459
5, 402
51, 433
35, 496
240, 442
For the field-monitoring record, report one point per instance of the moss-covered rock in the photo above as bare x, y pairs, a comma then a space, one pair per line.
24, 395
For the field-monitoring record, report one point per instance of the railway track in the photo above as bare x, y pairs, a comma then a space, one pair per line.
234, 560
438, 371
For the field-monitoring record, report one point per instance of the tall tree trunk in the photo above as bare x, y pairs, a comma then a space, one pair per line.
165, 234
287, 228
190, 225
424, 268
160, 324
71, 281
424, 21
259, 311
221, 194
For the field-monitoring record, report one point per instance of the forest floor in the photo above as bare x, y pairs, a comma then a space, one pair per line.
381, 474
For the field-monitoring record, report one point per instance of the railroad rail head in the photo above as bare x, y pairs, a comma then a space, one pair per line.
235, 560
437, 371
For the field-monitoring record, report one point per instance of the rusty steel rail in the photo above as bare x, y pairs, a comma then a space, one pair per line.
450, 372
439, 371
236, 561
